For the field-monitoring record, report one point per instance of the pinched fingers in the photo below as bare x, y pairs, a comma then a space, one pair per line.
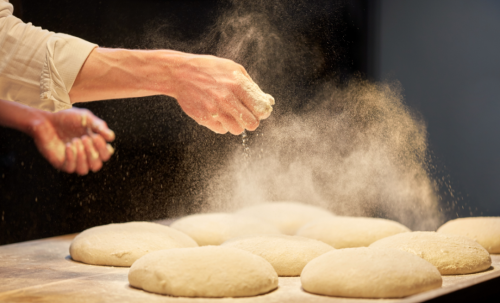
213, 125
229, 123
93, 158
250, 94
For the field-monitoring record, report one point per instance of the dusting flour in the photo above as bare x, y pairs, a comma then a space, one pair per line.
262, 102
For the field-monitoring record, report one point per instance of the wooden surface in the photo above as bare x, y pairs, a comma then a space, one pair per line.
42, 271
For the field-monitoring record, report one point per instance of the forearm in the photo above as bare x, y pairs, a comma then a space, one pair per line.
216, 92
121, 73
19, 117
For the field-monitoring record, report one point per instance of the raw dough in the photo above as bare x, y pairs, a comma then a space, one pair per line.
485, 230
210, 271
451, 254
369, 273
287, 216
344, 232
214, 229
121, 244
287, 254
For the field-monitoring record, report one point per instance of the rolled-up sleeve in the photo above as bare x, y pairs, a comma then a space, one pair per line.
38, 67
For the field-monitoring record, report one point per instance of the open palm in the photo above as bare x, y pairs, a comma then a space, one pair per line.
73, 140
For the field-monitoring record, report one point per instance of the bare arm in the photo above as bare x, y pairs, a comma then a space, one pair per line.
209, 89
72, 140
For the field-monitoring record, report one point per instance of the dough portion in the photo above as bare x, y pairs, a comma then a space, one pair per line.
451, 254
484, 230
287, 254
121, 244
288, 217
216, 228
210, 271
345, 232
369, 273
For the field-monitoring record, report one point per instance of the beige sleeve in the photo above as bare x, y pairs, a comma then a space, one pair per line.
38, 67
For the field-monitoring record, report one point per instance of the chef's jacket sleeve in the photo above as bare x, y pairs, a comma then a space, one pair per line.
38, 67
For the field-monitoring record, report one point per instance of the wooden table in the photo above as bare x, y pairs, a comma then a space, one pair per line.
42, 271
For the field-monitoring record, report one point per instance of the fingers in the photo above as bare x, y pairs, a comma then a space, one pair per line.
214, 126
230, 123
100, 127
243, 116
86, 154
82, 167
93, 158
70, 162
250, 94
105, 150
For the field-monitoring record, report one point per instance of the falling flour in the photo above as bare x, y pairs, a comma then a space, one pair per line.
262, 103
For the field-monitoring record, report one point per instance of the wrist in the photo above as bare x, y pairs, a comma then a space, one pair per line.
21, 117
160, 71
33, 119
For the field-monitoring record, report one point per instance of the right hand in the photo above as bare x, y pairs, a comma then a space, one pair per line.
219, 94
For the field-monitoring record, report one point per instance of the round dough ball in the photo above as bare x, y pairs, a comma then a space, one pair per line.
369, 273
287, 254
485, 230
214, 229
451, 254
121, 244
288, 217
345, 232
210, 271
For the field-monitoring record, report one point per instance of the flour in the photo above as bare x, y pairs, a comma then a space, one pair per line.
84, 120
262, 103
484, 230
463, 255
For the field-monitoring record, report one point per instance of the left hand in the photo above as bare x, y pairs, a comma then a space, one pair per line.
73, 140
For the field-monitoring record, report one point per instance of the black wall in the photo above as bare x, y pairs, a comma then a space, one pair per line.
160, 152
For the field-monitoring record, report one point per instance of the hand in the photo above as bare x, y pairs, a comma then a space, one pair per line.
219, 94
73, 140
215, 92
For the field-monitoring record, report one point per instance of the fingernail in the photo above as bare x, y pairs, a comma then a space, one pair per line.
110, 148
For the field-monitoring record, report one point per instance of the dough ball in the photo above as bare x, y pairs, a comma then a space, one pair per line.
369, 273
121, 244
288, 217
451, 254
214, 229
485, 230
210, 271
344, 232
287, 254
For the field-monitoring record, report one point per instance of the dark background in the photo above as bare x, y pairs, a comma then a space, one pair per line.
155, 172
445, 54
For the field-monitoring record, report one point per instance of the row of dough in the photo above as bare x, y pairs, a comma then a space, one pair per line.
292, 218
249, 263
